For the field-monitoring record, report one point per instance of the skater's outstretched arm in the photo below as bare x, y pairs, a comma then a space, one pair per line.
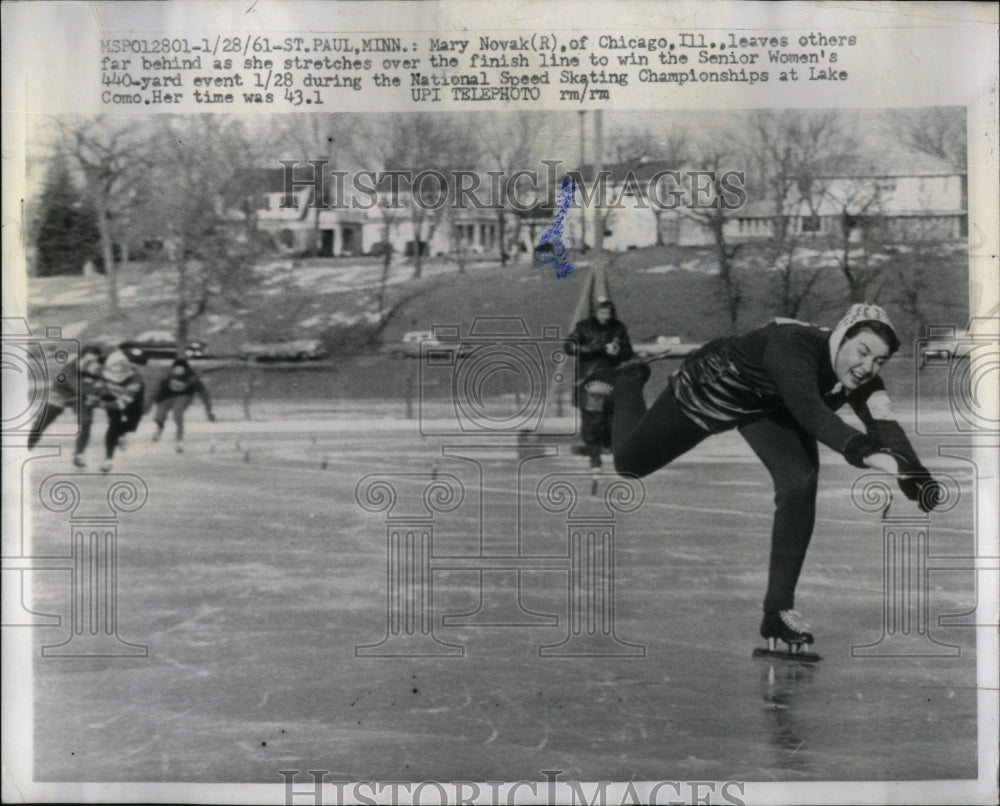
896, 454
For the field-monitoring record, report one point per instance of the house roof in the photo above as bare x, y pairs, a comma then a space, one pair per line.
264, 180
869, 166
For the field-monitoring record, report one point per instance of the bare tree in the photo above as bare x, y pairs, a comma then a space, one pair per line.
859, 242
793, 153
637, 154
213, 256
328, 140
427, 148
512, 142
113, 157
707, 206
938, 132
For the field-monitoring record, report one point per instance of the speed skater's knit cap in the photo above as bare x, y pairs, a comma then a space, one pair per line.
117, 367
856, 314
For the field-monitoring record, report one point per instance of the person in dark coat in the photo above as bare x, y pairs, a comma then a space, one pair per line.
600, 342
174, 394
780, 386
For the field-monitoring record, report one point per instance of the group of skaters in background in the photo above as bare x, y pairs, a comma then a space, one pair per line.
779, 386
105, 378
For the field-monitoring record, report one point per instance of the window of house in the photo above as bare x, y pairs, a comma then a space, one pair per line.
810, 223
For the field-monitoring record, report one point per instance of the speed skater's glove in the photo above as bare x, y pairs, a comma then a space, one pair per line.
916, 481
860, 447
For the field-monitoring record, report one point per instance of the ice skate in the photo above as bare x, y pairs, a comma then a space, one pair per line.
106, 466
789, 627
158, 434
179, 448
78, 460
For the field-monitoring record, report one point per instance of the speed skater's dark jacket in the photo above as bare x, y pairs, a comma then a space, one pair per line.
785, 368
181, 385
589, 340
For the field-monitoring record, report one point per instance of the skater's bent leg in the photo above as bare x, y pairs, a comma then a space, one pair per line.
86, 421
180, 403
160, 416
116, 428
133, 414
791, 457
591, 424
644, 441
45, 419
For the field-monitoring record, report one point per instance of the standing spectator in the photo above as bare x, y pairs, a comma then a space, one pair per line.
600, 342
175, 394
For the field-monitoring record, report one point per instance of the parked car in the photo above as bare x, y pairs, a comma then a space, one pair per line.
673, 346
291, 350
160, 344
409, 346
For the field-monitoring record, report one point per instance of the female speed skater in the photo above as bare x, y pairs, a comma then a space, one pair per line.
779, 386
123, 399
174, 394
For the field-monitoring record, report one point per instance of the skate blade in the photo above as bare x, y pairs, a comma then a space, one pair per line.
801, 656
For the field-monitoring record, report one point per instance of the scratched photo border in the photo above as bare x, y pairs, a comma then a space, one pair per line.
18, 657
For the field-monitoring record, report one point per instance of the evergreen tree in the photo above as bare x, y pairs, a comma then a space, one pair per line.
67, 235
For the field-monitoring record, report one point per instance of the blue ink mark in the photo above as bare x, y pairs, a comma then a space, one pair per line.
554, 252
